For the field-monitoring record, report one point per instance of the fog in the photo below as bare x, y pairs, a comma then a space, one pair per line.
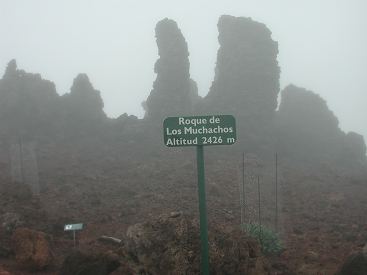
322, 46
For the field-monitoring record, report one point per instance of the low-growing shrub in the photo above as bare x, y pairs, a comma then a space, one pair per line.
269, 240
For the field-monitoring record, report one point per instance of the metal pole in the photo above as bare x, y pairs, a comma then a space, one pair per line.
259, 204
21, 160
243, 189
74, 238
202, 209
276, 191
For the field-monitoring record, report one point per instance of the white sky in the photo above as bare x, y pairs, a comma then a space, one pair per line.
322, 44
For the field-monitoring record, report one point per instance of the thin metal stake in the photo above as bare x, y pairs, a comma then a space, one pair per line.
259, 204
21, 159
276, 191
243, 189
74, 238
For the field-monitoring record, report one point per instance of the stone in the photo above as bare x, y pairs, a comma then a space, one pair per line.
31, 249
3, 271
172, 246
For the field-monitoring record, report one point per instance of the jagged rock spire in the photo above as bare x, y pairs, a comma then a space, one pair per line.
247, 73
84, 102
173, 90
11, 69
81, 85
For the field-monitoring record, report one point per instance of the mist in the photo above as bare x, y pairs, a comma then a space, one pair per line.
321, 46
183, 137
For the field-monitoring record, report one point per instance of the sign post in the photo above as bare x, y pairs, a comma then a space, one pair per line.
200, 131
73, 227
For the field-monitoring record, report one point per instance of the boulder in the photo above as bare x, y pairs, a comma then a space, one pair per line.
10, 221
356, 264
3, 271
171, 245
31, 249
28, 104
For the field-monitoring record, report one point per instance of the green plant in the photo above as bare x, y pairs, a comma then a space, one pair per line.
269, 240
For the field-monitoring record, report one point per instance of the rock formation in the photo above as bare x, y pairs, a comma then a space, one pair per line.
173, 91
171, 245
308, 130
83, 106
246, 82
83, 101
31, 248
27, 103
355, 147
30, 107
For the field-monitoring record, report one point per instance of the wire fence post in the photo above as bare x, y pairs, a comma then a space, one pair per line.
276, 191
259, 206
243, 189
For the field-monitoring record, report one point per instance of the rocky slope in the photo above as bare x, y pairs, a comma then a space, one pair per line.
113, 173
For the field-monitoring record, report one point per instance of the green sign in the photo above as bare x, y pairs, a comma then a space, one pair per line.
69, 227
199, 130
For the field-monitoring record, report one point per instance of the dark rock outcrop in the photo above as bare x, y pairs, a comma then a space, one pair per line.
171, 245
174, 93
306, 126
355, 147
308, 130
83, 106
31, 248
30, 107
27, 103
246, 82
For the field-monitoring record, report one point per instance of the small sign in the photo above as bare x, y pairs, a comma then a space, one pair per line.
199, 130
69, 227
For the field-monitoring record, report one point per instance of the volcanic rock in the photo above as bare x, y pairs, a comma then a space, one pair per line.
306, 125
27, 104
83, 106
31, 248
355, 147
308, 130
174, 93
246, 82
4, 272
172, 246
